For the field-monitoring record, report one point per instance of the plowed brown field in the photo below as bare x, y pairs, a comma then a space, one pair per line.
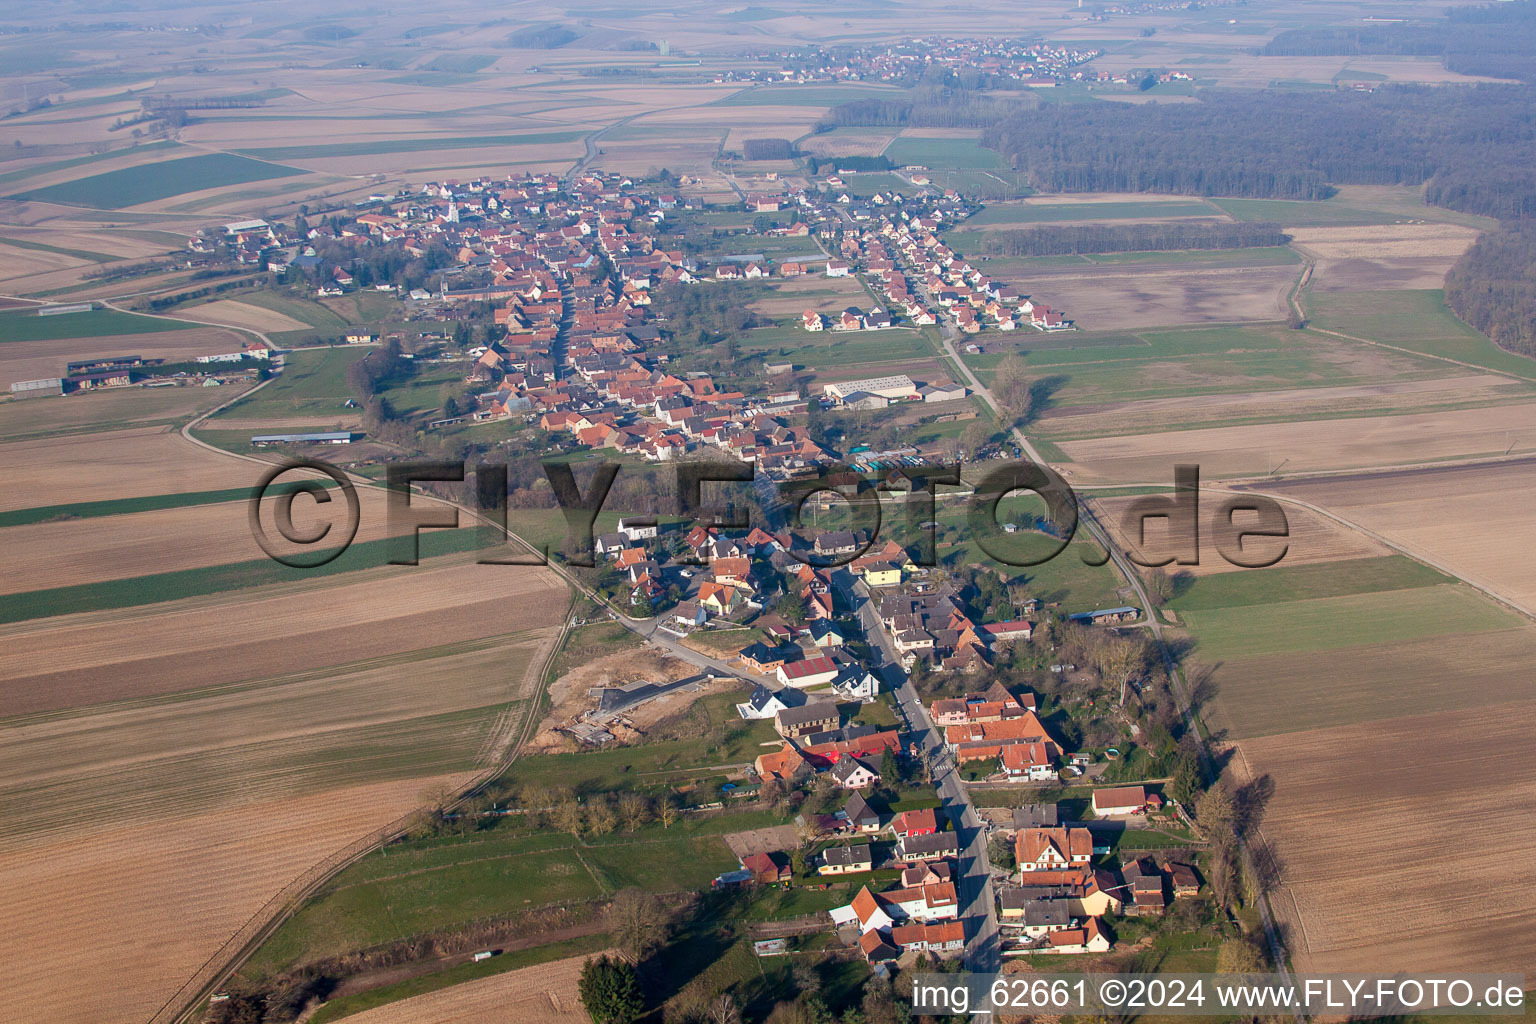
543, 994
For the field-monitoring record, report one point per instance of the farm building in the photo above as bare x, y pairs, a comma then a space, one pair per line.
330, 437
895, 387
809, 672
37, 388
1104, 616
1119, 802
807, 720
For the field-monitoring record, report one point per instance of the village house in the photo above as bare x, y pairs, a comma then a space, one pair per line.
935, 846
1052, 849
765, 703
794, 722
852, 773
846, 860
922, 822
861, 817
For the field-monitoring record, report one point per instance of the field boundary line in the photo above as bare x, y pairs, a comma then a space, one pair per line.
1400, 548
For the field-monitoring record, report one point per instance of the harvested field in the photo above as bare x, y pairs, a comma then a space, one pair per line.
110, 409
30, 360
1257, 450
543, 994
173, 895
138, 652
1475, 520
115, 464
1282, 693
241, 314
72, 552
1383, 256
1314, 539
1113, 298
18, 262
1365, 875
849, 142
1289, 403
261, 739
1439, 241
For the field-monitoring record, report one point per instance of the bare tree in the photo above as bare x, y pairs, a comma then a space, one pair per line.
569, 816
723, 1010
638, 921
1217, 814
1119, 660
601, 817
666, 811
635, 810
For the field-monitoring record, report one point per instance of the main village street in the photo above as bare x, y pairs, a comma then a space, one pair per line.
974, 883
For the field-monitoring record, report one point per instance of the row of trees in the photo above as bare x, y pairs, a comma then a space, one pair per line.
1089, 238
1493, 286
1470, 145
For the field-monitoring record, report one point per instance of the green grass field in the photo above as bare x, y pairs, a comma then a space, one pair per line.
832, 349
720, 737
308, 311
1004, 214
1302, 213
26, 325
1331, 623
314, 384
1087, 368
146, 183
429, 884
1283, 583
1413, 319
943, 154
864, 184
317, 152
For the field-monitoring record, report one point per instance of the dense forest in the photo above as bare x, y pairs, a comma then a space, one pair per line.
1471, 145
1069, 239
1498, 40
928, 107
1493, 286
767, 149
